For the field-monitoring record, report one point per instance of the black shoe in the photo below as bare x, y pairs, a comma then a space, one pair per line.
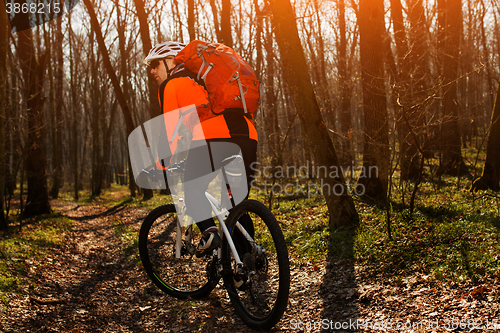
208, 242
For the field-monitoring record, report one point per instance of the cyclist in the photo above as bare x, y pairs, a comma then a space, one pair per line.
179, 87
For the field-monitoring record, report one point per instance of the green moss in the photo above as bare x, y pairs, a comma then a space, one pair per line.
22, 250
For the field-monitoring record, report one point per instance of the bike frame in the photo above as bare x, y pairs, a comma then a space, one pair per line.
221, 214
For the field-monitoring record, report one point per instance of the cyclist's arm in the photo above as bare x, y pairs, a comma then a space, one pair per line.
178, 94
171, 114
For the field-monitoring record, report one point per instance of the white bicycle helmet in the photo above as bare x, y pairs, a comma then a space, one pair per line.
163, 50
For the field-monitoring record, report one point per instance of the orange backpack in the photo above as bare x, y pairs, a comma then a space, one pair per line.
230, 81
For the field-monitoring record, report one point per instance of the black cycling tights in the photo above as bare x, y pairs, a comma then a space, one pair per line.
201, 162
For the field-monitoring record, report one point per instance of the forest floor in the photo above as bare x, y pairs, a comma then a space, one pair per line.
92, 283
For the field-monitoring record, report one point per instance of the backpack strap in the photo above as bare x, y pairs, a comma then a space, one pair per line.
161, 93
179, 71
184, 72
179, 123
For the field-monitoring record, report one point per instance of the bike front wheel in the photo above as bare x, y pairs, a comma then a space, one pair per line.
259, 290
184, 277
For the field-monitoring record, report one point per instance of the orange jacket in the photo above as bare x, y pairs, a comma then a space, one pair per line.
183, 91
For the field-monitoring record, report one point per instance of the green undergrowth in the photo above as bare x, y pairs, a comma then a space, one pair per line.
117, 196
22, 249
128, 238
305, 226
452, 234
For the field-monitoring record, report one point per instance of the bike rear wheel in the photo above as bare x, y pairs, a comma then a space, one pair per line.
262, 299
184, 277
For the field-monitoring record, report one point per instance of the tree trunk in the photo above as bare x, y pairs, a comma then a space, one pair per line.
420, 71
259, 22
74, 106
127, 115
491, 170
96, 125
11, 151
346, 155
105, 162
271, 124
486, 54
323, 80
376, 136
147, 45
4, 44
449, 18
191, 20
59, 122
225, 27
33, 70
175, 13
154, 106
340, 204
215, 14
408, 150
49, 50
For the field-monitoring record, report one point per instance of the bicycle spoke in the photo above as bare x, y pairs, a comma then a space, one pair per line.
262, 298
180, 277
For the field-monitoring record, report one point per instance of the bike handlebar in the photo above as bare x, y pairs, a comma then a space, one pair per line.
155, 174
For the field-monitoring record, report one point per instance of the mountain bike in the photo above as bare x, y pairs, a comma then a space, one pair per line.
254, 268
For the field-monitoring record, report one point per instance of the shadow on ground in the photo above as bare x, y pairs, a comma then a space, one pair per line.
339, 287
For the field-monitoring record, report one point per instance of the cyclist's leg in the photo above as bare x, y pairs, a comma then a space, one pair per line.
197, 176
248, 148
249, 151
201, 164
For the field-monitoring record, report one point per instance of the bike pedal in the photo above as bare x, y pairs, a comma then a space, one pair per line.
241, 284
201, 254
238, 283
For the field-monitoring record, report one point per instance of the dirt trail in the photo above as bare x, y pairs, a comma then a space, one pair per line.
91, 285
